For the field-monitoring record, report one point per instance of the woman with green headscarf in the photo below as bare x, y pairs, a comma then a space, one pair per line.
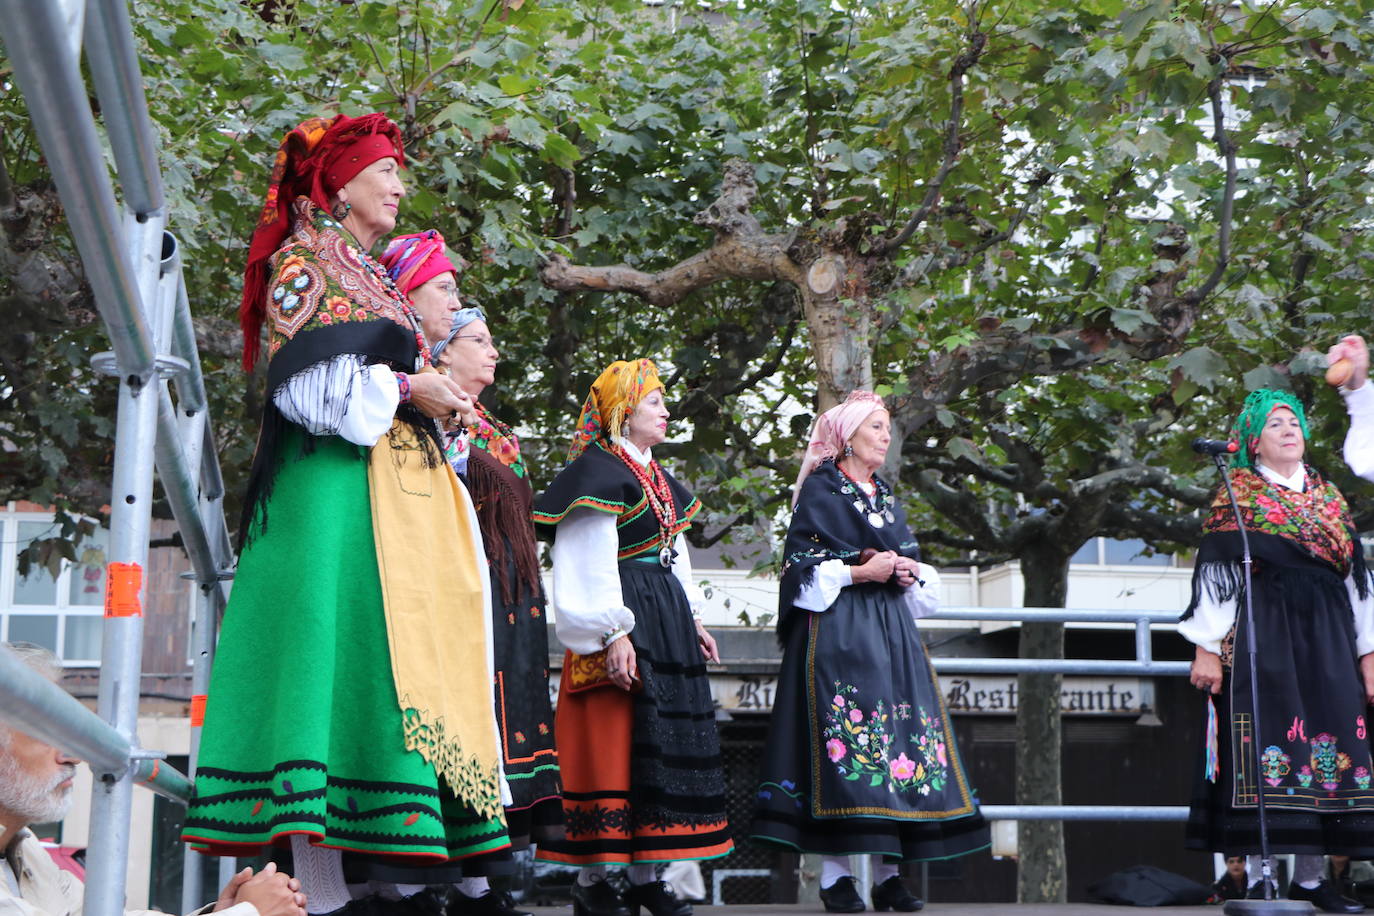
1314, 634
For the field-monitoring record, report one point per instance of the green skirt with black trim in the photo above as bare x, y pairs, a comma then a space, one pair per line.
302, 727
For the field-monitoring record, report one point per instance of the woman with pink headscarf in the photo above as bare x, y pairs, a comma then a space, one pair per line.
861, 756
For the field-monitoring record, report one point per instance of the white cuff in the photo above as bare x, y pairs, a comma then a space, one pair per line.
1359, 400
372, 407
823, 585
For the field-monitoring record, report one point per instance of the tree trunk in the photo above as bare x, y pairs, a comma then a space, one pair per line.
841, 332
1041, 872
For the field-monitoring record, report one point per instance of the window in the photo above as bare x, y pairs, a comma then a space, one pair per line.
63, 613
1113, 552
1131, 553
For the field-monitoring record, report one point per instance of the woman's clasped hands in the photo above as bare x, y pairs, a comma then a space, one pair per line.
886, 566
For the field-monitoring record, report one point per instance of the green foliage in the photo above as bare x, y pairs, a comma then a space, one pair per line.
599, 129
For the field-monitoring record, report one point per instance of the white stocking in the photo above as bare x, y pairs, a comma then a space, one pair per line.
642, 874
590, 874
473, 887
1307, 870
320, 872
833, 868
882, 870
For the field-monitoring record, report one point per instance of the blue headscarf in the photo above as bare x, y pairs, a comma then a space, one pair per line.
461, 319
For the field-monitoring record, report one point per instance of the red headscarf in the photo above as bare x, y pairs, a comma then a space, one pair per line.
319, 156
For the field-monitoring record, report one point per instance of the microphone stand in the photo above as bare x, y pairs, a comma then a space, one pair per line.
1269, 904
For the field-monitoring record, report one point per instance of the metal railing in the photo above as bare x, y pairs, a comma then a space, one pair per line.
132, 265
1144, 664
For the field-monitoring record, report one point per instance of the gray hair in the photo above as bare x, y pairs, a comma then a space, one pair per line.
40, 659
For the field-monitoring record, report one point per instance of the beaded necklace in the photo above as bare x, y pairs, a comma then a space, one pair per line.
660, 497
877, 510
401, 299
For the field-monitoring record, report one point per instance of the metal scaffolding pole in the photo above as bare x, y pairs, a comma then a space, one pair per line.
45, 68
121, 655
119, 84
38, 707
135, 275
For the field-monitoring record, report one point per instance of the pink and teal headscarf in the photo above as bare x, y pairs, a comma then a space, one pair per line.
411, 260
1254, 413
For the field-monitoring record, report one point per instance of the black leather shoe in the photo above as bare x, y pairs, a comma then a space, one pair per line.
492, 903
1256, 891
893, 895
658, 897
842, 897
1325, 897
598, 899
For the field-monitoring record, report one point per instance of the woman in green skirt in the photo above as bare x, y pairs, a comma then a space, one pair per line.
347, 707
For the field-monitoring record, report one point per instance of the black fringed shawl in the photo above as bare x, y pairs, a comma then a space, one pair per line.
504, 502
833, 520
325, 298
1291, 534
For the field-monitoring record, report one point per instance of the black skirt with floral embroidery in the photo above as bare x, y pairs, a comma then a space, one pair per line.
861, 756
1315, 769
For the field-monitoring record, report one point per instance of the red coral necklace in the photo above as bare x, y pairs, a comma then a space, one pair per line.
660, 497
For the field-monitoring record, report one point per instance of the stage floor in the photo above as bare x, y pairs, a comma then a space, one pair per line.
941, 909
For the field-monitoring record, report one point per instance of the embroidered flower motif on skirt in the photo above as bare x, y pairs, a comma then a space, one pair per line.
857, 744
1274, 763
1328, 763
1362, 777
1305, 776
596, 820
860, 746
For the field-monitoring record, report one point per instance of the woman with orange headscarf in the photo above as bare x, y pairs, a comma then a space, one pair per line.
636, 731
340, 713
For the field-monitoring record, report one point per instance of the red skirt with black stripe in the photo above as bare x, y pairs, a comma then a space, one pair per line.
642, 779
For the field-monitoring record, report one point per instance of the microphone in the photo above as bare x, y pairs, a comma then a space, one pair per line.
1214, 446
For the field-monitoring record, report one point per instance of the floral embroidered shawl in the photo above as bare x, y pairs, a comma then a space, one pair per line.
500, 486
833, 521
322, 293
325, 298
1317, 520
1286, 528
498, 440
